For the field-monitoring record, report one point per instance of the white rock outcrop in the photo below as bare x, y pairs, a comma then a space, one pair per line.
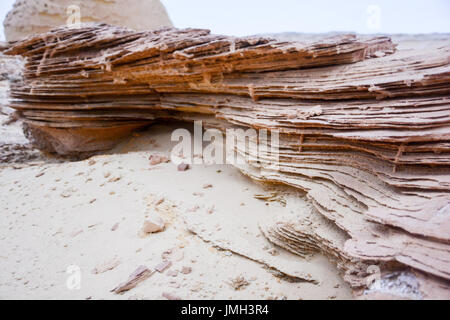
37, 16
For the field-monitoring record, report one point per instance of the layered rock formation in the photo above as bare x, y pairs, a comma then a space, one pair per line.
364, 129
37, 16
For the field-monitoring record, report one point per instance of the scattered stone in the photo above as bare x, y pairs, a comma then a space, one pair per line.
159, 201
271, 197
156, 159
142, 273
163, 266
193, 209
170, 296
211, 210
174, 284
186, 270
75, 233
207, 186
172, 273
174, 254
154, 224
197, 287
239, 283
107, 266
66, 193
183, 167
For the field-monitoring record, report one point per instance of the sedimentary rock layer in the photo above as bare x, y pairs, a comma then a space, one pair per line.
364, 129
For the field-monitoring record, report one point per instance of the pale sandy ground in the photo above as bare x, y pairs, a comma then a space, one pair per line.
56, 215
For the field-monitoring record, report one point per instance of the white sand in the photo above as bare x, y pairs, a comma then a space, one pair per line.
50, 221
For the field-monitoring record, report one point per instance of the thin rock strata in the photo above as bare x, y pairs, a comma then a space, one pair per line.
364, 129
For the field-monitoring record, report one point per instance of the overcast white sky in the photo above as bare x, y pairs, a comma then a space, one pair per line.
244, 17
